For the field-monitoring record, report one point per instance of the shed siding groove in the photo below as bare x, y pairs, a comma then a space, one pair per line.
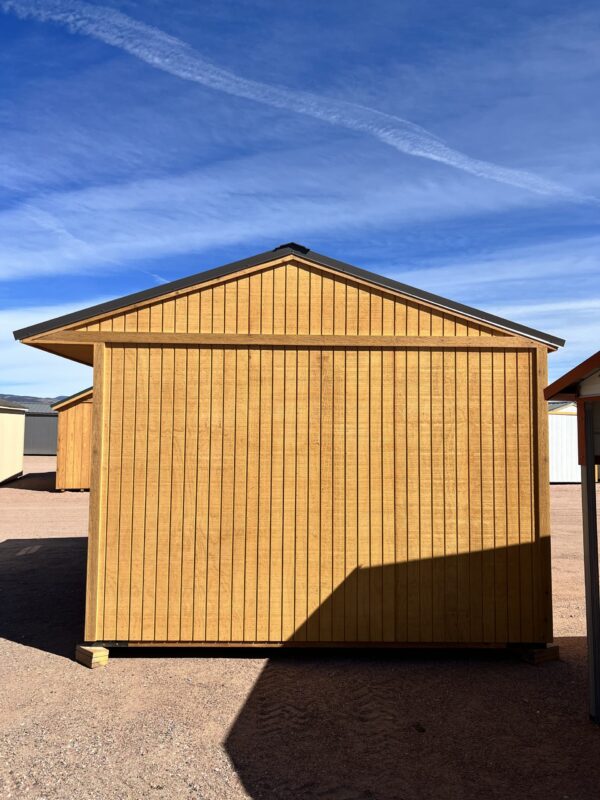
232, 299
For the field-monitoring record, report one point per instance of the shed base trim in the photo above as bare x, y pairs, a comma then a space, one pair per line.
525, 648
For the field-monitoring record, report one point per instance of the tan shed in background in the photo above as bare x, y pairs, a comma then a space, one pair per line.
73, 452
12, 437
290, 450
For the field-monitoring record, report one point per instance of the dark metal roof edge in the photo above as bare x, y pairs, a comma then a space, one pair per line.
269, 255
150, 294
437, 300
71, 397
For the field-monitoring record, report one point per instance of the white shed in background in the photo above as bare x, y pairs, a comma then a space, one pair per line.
12, 435
562, 429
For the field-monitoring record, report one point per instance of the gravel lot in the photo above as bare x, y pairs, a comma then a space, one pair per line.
343, 726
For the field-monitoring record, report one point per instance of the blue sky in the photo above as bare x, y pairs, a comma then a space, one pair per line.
451, 146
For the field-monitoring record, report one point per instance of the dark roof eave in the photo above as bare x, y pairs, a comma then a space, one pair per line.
567, 384
280, 252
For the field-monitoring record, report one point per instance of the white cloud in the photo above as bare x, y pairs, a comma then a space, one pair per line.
555, 282
590, 304
231, 201
26, 370
171, 55
577, 323
545, 264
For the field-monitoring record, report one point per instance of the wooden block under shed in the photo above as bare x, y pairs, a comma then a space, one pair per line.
91, 656
538, 655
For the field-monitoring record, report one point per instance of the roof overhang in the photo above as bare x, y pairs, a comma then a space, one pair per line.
78, 397
13, 409
567, 386
288, 250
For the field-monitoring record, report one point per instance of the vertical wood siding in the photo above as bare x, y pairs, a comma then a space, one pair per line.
317, 495
74, 444
290, 299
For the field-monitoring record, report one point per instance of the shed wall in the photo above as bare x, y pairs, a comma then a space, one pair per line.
564, 454
73, 455
40, 433
12, 432
316, 495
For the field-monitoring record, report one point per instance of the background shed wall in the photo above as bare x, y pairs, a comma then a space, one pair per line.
261, 495
73, 453
40, 433
564, 455
12, 432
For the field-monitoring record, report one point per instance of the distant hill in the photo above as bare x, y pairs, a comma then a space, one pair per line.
29, 401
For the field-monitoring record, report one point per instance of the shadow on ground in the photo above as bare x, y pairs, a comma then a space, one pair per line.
398, 725
34, 481
356, 725
414, 724
42, 592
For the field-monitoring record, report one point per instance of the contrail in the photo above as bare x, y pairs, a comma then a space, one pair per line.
171, 55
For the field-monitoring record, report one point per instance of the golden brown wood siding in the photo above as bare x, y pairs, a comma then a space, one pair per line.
94, 598
228, 307
320, 495
74, 444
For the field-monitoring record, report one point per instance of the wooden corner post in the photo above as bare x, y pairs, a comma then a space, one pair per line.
542, 490
95, 556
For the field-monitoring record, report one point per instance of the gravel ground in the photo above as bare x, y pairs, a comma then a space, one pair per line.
330, 726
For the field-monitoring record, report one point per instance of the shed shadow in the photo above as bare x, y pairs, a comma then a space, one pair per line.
398, 725
389, 723
42, 592
33, 481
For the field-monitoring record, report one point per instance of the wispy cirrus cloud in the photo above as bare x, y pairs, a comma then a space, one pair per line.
170, 54
545, 286
580, 326
234, 201
26, 370
548, 262
578, 320
590, 304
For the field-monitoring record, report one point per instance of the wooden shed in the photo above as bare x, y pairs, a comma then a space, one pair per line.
12, 436
74, 444
292, 450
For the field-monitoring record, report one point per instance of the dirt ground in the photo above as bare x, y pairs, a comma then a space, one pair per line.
341, 726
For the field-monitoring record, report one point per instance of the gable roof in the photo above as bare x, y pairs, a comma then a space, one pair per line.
289, 249
72, 398
556, 405
32, 405
568, 383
